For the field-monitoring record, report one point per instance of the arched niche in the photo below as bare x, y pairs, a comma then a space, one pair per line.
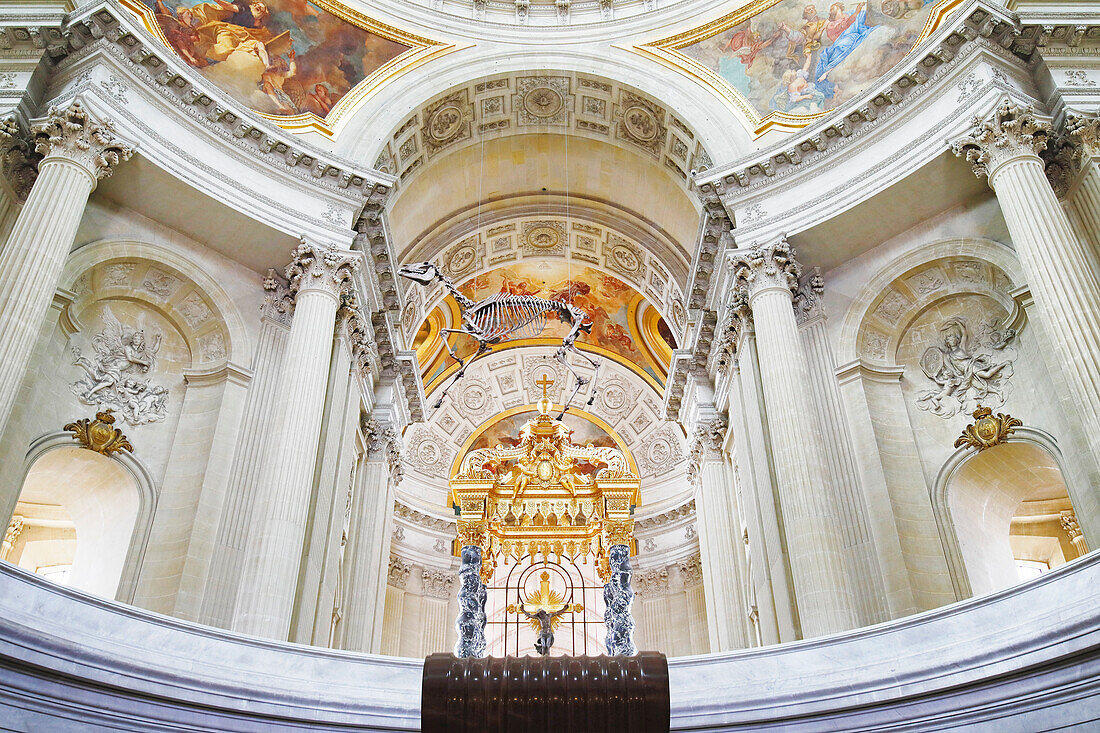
980, 496
87, 510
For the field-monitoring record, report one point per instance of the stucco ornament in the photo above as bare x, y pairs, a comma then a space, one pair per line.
766, 267
112, 377
967, 369
1010, 132
72, 134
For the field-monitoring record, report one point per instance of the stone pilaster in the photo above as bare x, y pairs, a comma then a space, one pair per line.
1083, 150
1005, 147
720, 548
317, 275
369, 544
76, 152
769, 276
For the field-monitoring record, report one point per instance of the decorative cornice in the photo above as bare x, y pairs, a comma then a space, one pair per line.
1012, 131
648, 524
689, 361
70, 133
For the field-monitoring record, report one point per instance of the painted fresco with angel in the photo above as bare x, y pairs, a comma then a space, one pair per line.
113, 377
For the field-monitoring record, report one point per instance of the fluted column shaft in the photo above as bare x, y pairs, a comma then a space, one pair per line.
265, 603
77, 152
814, 544
720, 547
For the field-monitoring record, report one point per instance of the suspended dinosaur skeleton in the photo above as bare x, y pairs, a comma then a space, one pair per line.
504, 316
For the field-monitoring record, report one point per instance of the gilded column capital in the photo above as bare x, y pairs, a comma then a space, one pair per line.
762, 268
1010, 133
321, 267
72, 134
1071, 525
18, 161
15, 528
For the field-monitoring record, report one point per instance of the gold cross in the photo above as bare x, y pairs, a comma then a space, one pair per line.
545, 382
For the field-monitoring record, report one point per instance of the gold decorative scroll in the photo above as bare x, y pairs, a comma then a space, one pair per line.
542, 497
100, 435
987, 431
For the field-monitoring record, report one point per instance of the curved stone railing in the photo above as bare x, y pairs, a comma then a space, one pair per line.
1027, 658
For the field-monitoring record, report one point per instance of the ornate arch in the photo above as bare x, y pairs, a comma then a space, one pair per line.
171, 284
900, 291
945, 523
148, 495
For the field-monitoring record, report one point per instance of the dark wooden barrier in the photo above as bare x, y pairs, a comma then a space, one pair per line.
545, 694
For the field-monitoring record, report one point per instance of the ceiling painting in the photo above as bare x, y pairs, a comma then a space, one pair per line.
788, 61
290, 59
611, 304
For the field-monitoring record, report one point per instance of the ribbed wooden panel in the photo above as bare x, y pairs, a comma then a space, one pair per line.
546, 694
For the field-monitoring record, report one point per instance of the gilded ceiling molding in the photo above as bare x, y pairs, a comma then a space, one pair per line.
420, 50
670, 52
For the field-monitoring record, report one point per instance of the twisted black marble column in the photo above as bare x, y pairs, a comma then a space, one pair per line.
471, 604
618, 597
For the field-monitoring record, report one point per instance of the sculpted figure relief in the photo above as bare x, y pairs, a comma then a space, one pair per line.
966, 368
111, 378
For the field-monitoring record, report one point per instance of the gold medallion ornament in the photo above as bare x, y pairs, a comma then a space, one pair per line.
987, 431
100, 435
545, 497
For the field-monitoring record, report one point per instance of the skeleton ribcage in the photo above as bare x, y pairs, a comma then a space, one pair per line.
506, 316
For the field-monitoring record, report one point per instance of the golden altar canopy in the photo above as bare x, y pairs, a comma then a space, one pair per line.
545, 496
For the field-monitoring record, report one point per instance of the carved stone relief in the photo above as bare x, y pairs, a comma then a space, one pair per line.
967, 366
114, 375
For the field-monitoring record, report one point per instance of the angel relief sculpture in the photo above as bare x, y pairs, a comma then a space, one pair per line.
112, 377
966, 369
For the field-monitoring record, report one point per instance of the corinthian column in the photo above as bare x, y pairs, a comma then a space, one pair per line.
720, 544
318, 275
1057, 265
768, 275
1083, 134
77, 152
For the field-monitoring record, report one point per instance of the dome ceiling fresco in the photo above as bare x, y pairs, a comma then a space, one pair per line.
625, 327
284, 58
797, 59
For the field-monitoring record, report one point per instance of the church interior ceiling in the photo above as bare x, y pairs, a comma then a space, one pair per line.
300, 60
787, 62
625, 327
584, 105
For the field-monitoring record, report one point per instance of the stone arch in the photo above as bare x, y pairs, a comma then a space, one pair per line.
141, 480
197, 304
948, 478
859, 327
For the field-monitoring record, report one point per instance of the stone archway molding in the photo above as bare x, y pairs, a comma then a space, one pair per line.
945, 523
147, 502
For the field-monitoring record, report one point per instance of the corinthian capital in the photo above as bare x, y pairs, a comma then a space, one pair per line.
18, 162
72, 134
766, 267
320, 267
1011, 132
1083, 131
